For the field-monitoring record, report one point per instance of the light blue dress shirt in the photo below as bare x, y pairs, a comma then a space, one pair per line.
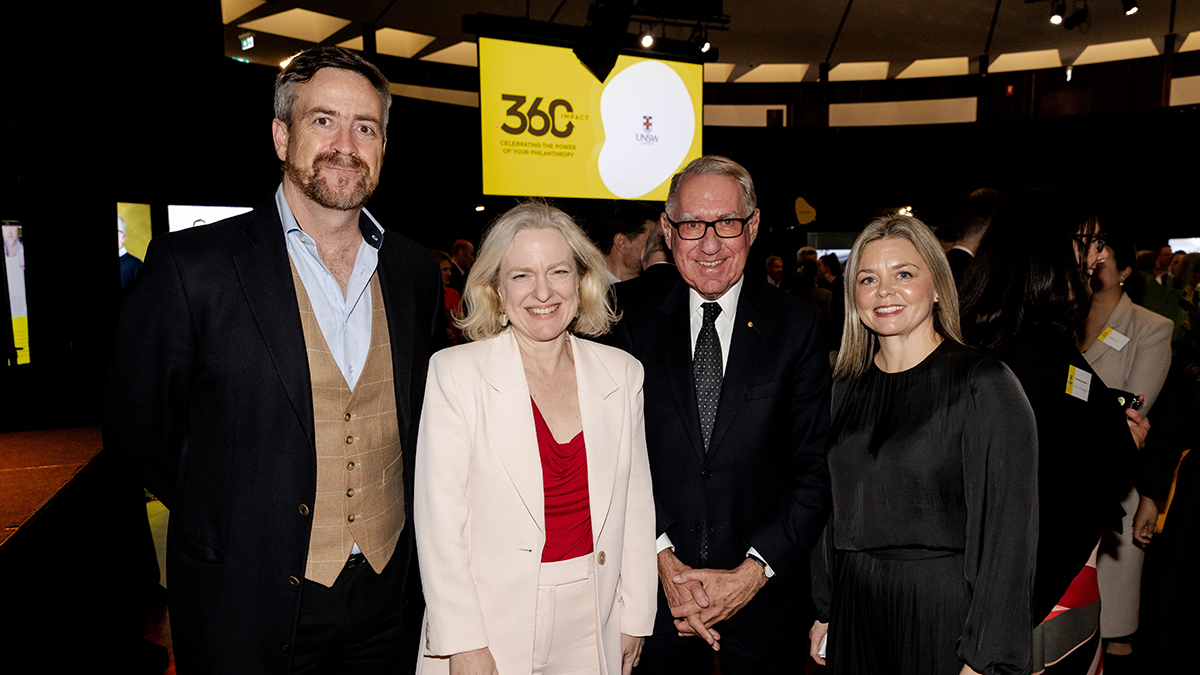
345, 321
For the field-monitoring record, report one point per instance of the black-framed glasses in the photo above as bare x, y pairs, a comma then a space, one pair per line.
1098, 239
726, 228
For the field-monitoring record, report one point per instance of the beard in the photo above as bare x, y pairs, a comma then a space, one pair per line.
317, 188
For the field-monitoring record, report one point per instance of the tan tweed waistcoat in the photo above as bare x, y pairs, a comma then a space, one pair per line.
360, 470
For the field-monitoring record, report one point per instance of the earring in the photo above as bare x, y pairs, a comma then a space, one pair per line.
503, 318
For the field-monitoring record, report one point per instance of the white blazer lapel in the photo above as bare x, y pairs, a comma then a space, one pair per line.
603, 416
510, 427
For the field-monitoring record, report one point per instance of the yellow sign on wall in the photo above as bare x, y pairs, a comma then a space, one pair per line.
550, 129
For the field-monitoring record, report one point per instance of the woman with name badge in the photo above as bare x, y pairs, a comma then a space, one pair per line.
926, 565
533, 505
1129, 347
1025, 300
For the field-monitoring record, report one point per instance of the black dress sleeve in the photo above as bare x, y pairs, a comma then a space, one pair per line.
1000, 455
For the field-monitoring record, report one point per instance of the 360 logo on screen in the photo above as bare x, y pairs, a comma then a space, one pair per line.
546, 120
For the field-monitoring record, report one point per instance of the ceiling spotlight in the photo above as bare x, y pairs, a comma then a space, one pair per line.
1131, 7
1057, 11
700, 39
479, 207
647, 40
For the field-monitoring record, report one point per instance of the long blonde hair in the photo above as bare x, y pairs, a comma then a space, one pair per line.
859, 343
482, 311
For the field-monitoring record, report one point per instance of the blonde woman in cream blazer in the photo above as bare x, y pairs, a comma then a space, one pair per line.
479, 498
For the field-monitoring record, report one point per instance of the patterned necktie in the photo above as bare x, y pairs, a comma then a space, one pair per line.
707, 370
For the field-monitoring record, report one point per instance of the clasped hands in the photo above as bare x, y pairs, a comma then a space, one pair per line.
701, 598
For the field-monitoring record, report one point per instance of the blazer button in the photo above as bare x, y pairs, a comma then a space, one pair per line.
349, 440
304, 509
352, 517
350, 492
600, 558
348, 416
695, 529
283, 648
706, 474
293, 581
350, 466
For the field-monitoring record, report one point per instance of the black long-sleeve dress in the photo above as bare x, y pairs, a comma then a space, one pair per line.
928, 559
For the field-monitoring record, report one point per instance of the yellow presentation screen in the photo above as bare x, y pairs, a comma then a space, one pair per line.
550, 129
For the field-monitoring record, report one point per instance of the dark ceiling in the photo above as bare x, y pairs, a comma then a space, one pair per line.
783, 31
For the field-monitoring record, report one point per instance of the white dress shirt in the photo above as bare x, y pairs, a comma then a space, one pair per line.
724, 327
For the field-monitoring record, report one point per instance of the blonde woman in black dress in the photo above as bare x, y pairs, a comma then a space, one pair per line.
927, 563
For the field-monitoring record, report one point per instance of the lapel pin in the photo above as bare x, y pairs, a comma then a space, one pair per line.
750, 324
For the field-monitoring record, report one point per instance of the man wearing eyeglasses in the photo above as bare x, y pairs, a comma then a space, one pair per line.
737, 410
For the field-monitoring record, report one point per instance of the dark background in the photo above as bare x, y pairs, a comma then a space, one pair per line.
90, 117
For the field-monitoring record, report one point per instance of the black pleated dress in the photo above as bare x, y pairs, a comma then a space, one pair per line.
928, 559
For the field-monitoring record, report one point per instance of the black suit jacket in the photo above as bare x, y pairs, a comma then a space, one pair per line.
763, 481
959, 260
210, 399
649, 287
458, 279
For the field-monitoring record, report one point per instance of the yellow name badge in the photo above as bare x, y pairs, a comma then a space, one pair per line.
1113, 338
551, 129
1079, 383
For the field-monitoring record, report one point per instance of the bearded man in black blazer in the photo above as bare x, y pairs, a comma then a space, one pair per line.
267, 384
737, 411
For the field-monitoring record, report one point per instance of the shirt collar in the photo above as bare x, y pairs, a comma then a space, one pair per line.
963, 248
728, 302
372, 232
122, 252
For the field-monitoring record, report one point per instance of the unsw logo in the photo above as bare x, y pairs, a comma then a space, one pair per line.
647, 138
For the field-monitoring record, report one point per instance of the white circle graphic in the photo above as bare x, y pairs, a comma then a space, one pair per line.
649, 124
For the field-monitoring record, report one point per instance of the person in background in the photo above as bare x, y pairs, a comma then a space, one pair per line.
534, 508
1177, 259
1169, 622
130, 264
829, 277
462, 255
1144, 290
926, 565
658, 276
620, 229
972, 216
774, 270
805, 288
1185, 279
806, 253
452, 297
1026, 304
1162, 266
1129, 347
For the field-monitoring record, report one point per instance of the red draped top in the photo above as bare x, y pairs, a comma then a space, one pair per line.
564, 479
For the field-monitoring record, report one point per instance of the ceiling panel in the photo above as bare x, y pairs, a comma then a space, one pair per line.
948, 67
300, 24
775, 72
393, 42
461, 54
